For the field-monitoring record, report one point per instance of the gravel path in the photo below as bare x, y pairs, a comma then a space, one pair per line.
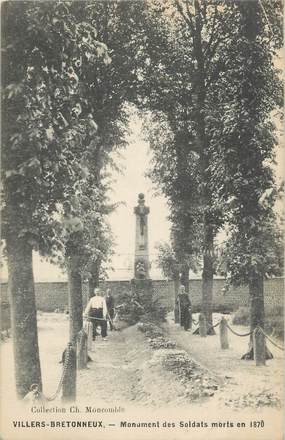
126, 369
162, 374
114, 374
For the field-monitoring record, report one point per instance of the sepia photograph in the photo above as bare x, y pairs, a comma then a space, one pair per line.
142, 220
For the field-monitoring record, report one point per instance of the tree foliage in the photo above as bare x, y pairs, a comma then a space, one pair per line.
210, 74
73, 92
244, 176
179, 86
48, 51
174, 172
166, 260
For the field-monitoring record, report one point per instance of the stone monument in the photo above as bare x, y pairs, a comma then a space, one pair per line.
141, 269
141, 283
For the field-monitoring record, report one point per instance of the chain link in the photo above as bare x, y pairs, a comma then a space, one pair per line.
213, 326
238, 334
244, 334
65, 365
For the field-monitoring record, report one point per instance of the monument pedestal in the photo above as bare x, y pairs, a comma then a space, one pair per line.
142, 289
143, 292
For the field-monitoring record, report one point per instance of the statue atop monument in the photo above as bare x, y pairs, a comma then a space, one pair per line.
141, 247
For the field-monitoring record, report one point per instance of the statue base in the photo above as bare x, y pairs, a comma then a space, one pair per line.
142, 290
144, 294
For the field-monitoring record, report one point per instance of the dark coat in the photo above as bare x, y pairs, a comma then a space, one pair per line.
110, 302
184, 300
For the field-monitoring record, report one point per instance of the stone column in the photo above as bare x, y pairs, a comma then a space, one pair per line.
141, 266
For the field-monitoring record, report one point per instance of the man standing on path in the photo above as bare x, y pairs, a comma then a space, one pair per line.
184, 308
110, 307
96, 309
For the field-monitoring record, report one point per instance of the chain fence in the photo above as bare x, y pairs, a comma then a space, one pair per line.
64, 371
211, 326
236, 333
35, 393
35, 387
65, 368
271, 340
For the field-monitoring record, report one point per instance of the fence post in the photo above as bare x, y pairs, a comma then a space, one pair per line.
82, 353
190, 319
69, 380
224, 334
176, 314
258, 347
89, 335
202, 325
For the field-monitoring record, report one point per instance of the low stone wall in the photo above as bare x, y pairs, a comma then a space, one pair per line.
52, 296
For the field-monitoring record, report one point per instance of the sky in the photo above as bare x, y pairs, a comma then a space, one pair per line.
134, 160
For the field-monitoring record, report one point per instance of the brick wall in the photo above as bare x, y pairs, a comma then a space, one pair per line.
52, 296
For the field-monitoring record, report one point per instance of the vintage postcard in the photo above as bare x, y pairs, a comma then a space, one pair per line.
142, 289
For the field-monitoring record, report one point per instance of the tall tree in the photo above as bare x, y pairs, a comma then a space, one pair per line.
174, 172
44, 46
106, 89
173, 269
109, 87
185, 45
245, 175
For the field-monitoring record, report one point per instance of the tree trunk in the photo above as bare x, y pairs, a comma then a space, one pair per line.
250, 29
94, 279
176, 291
257, 314
91, 286
75, 298
23, 315
203, 142
185, 277
207, 279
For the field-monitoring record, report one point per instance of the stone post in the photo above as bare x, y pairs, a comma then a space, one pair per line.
82, 354
69, 380
202, 325
224, 334
89, 335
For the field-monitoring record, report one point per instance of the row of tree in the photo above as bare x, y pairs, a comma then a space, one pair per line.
68, 72
214, 87
203, 70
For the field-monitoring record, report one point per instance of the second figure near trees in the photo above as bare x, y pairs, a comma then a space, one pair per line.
184, 307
